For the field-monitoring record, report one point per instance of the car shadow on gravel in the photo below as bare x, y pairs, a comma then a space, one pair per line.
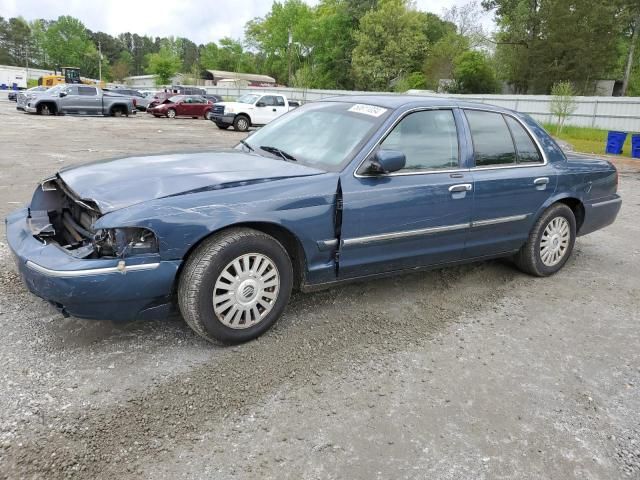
393, 296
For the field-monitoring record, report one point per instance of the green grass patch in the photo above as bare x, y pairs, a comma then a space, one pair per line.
586, 140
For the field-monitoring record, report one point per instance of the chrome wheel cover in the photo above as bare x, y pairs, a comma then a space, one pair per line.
246, 291
555, 241
243, 124
171, 113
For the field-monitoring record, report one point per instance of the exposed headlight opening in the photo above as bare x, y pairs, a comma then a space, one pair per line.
124, 242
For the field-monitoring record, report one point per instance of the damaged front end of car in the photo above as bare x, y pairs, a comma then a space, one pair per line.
58, 216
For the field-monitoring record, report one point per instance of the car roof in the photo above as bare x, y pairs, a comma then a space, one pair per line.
401, 100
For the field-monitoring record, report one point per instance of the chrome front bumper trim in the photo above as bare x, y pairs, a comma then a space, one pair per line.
89, 272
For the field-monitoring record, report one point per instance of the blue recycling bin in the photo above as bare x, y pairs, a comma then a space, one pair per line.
615, 142
635, 145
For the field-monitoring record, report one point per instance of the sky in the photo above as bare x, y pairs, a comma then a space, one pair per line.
201, 21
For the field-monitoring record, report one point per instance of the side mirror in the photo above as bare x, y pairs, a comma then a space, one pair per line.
387, 161
62, 94
261, 104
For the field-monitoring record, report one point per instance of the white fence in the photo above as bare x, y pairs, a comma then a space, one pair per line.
609, 113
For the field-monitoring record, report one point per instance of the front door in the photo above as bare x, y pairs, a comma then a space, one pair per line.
511, 183
266, 110
415, 217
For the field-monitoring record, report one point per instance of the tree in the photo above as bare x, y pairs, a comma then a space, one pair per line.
541, 42
121, 68
209, 56
563, 103
67, 44
474, 73
290, 20
164, 65
441, 56
389, 44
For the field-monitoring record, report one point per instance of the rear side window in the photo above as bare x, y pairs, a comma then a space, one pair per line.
525, 148
87, 91
492, 142
280, 101
428, 139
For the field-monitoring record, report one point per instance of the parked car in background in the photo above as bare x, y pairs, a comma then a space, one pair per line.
213, 98
79, 99
249, 110
342, 189
158, 98
193, 106
23, 95
12, 96
139, 100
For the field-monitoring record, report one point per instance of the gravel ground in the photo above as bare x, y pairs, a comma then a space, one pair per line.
475, 372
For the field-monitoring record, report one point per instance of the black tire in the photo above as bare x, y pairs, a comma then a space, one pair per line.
529, 258
223, 126
116, 112
203, 268
46, 109
171, 113
241, 123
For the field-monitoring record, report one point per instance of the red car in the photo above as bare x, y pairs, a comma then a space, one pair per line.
182, 106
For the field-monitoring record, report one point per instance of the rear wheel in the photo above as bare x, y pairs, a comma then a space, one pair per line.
171, 113
550, 242
241, 123
235, 285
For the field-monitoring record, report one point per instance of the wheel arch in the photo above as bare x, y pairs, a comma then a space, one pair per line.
246, 115
574, 202
52, 106
118, 106
286, 237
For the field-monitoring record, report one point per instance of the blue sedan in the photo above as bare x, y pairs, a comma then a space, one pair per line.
342, 189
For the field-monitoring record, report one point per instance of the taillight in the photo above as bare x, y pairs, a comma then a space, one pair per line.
135, 103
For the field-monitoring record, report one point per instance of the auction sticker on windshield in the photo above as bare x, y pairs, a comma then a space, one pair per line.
371, 110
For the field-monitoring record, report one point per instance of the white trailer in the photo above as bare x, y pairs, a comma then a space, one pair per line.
10, 76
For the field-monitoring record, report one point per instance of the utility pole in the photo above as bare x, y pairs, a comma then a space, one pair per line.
99, 62
289, 55
632, 48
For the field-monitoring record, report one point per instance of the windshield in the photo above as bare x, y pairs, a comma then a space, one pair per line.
56, 89
175, 98
325, 135
248, 98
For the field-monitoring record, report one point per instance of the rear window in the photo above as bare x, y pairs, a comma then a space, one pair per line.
87, 91
492, 142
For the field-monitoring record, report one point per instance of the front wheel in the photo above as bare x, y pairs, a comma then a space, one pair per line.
235, 285
241, 123
550, 242
223, 126
171, 113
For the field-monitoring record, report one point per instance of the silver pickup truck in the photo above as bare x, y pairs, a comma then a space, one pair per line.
81, 100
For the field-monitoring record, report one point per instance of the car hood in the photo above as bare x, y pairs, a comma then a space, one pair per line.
119, 183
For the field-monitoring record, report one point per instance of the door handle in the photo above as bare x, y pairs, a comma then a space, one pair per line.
274, 109
541, 181
462, 187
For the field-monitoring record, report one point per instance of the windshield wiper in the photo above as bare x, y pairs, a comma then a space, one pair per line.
276, 151
251, 149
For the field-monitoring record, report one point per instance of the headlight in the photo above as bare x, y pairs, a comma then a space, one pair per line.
229, 110
124, 242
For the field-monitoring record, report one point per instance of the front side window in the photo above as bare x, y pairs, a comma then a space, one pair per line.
428, 139
269, 101
492, 142
525, 147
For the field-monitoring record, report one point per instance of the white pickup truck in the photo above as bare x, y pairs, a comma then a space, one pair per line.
249, 110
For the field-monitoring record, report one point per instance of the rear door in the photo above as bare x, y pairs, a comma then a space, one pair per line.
417, 216
89, 102
512, 181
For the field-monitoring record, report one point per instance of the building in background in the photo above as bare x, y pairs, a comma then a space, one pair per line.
234, 79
